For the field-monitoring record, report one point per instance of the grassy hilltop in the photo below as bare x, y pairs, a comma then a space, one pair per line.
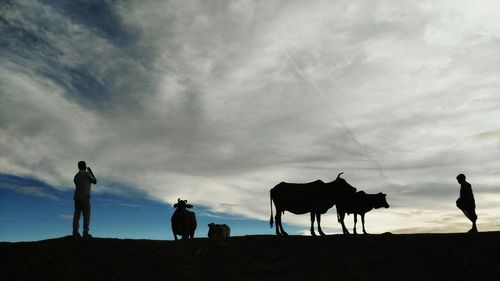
336, 257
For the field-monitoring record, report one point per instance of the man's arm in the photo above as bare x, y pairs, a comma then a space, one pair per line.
93, 180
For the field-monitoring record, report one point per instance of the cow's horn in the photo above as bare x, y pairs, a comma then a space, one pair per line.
178, 199
340, 174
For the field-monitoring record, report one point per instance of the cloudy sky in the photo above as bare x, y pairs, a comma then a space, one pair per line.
218, 101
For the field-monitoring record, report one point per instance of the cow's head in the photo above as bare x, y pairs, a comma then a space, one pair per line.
182, 204
380, 201
211, 229
343, 186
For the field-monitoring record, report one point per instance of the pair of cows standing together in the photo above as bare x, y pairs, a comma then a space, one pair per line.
317, 197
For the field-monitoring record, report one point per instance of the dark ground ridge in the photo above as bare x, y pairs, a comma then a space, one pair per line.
454, 256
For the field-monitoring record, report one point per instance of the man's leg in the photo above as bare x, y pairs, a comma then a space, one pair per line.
86, 216
467, 214
76, 217
470, 213
473, 219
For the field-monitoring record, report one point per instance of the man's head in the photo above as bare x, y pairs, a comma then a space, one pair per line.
82, 165
461, 178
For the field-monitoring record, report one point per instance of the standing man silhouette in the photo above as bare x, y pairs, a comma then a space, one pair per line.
83, 179
466, 201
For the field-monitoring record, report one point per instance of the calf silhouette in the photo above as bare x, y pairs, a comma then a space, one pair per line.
360, 204
218, 230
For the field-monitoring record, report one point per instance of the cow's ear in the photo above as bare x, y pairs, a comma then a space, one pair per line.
189, 206
175, 205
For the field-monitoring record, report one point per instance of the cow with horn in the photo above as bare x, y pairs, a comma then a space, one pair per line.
314, 198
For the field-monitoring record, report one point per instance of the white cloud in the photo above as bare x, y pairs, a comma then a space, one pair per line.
30, 190
65, 216
4, 219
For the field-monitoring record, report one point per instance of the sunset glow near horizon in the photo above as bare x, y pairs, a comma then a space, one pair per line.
217, 102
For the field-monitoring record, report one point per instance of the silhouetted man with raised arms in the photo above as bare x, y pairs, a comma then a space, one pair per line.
83, 179
466, 201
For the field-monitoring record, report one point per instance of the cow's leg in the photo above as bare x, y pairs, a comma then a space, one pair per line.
355, 221
312, 224
173, 232
363, 222
279, 227
318, 218
277, 220
341, 216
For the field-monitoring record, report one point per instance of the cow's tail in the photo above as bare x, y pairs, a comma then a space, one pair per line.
271, 221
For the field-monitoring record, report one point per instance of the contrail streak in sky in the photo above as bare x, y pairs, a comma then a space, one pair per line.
323, 96
304, 76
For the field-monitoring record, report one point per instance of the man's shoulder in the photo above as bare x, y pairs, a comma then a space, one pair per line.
82, 173
465, 184
466, 187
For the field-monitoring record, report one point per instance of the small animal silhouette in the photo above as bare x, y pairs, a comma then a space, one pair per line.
218, 230
360, 204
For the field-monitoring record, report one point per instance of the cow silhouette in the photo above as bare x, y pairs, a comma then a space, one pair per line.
183, 221
218, 230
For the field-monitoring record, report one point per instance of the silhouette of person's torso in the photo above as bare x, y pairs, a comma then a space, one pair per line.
82, 180
466, 195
